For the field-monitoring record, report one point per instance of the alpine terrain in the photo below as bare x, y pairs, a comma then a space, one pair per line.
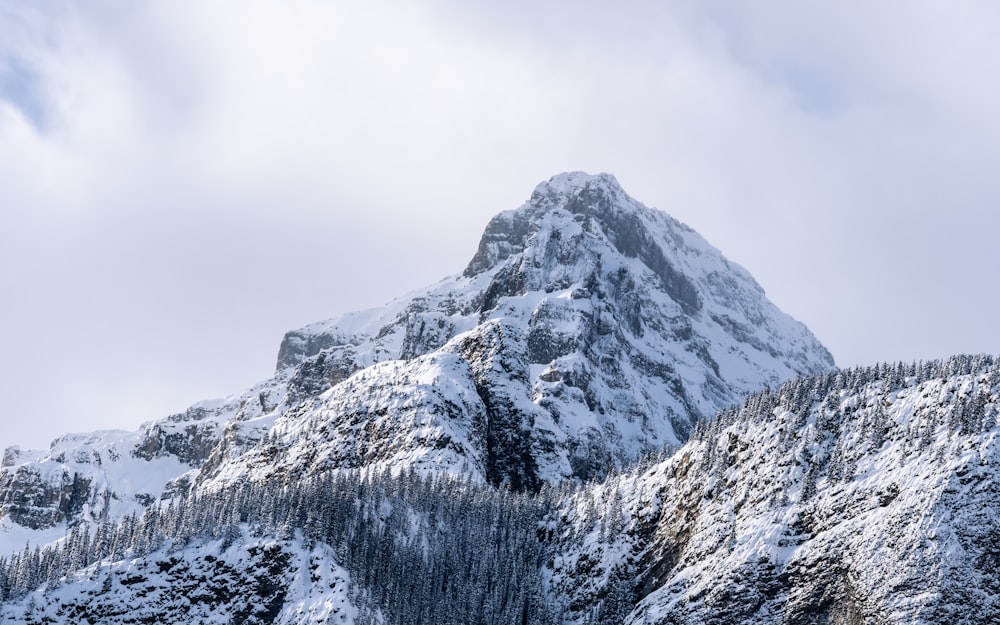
600, 420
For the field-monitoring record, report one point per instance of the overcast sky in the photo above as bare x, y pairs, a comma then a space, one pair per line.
183, 181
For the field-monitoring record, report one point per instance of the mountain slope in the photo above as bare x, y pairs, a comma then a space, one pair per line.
355, 545
868, 496
105, 473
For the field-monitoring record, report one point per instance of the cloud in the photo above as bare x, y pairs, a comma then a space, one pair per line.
183, 181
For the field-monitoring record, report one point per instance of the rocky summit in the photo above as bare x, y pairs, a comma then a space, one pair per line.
586, 330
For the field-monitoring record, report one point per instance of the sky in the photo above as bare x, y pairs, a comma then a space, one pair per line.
182, 181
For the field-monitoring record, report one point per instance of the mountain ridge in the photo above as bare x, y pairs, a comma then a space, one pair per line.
862, 496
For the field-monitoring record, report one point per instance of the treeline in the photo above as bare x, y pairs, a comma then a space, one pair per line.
419, 549
822, 393
858, 401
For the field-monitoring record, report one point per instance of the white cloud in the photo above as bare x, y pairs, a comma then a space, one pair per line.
205, 175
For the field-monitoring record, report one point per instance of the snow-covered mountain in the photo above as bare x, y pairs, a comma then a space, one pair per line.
357, 485
103, 473
586, 330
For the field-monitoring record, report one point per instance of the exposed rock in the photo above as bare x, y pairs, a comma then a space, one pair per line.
38, 502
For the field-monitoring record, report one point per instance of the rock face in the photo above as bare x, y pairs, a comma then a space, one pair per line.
105, 474
586, 330
868, 496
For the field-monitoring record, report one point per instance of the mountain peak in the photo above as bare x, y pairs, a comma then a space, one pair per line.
578, 193
572, 182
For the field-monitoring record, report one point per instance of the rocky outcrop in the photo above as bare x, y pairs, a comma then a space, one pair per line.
251, 581
38, 502
189, 437
91, 476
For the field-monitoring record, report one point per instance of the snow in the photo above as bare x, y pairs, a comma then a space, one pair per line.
14, 537
898, 523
